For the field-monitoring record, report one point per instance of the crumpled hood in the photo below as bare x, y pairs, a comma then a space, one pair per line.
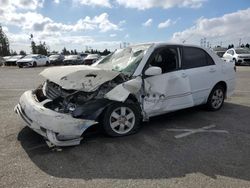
81, 77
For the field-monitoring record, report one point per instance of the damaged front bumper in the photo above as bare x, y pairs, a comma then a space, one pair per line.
58, 128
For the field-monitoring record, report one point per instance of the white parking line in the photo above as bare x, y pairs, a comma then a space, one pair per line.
12, 89
240, 91
193, 131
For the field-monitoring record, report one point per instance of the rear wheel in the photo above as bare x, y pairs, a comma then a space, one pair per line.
47, 63
216, 98
121, 119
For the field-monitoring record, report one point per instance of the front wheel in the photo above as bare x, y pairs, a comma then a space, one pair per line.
34, 64
216, 98
121, 119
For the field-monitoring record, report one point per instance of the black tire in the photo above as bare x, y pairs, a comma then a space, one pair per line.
235, 62
20, 66
47, 63
34, 64
214, 104
107, 119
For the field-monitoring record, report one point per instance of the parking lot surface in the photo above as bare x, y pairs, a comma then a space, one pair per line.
189, 148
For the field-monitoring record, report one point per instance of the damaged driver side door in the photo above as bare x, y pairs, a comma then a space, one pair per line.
170, 90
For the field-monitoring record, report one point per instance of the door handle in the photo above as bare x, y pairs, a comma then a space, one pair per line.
183, 75
212, 70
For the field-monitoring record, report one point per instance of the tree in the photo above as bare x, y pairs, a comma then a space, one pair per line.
4, 44
230, 46
247, 45
242, 46
75, 52
13, 52
105, 52
22, 53
65, 51
42, 48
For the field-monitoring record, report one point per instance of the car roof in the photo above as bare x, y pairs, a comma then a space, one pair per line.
159, 44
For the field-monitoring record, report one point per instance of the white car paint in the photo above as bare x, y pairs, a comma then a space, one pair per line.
86, 78
156, 93
33, 60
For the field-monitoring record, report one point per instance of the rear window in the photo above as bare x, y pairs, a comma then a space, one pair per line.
195, 57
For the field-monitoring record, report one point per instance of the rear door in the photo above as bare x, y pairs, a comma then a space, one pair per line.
169, 91
201, 71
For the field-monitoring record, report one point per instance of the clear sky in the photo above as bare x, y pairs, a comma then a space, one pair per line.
76, 24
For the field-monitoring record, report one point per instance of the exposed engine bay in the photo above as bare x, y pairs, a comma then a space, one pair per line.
71, 101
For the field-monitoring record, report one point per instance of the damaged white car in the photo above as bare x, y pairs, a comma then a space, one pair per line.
127, 87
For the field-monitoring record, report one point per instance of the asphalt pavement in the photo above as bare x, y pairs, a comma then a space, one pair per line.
190, 148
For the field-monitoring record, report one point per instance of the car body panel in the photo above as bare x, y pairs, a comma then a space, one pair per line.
82, 77
172, 94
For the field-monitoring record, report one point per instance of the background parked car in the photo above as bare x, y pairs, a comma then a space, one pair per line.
83, 55
73, 60
6, 58
33, 60
12, 60
220, 51
56, 59
240, 56
91, 58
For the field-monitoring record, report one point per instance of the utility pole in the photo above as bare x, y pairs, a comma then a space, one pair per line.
240, 42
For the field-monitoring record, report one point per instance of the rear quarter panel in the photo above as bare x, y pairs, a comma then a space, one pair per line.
227, 72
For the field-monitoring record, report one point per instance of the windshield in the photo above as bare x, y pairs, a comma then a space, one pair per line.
242, 51
16, 57
124, 60
71, 57
31, 56
54, 56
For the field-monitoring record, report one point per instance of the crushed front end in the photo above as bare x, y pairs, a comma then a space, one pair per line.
60, 115
60, 129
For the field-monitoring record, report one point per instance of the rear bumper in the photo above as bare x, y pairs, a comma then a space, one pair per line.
243, 61
58, 128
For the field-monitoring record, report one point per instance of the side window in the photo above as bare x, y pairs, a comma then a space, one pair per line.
195, 57
166, 58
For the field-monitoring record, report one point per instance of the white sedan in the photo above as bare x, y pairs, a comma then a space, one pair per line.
33, 60
126, 87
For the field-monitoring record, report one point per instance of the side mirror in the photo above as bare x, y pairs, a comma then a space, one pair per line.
153, 71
